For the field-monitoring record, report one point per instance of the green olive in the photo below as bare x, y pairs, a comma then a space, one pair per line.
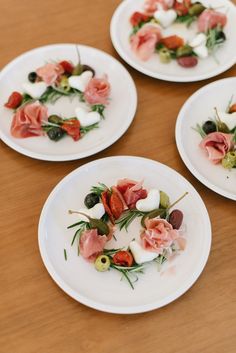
64, 83
164, 200
222, 127
55, 119
102, 263
185, 50
155, 213
165, 56
229, 160
98, 224
196, 9
91, 200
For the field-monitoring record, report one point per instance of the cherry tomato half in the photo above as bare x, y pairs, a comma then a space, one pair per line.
72, 128
138, 17
14, 100
172, 42
182, 7
123, 258
67, 66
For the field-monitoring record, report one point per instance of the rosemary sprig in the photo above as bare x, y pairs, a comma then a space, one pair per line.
86, 129
215, 37
65, 255
128, 217
99, 108
129, 273
99, 189
200, 130
82, 227
187, 19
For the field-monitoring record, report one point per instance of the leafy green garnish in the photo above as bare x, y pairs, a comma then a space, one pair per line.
99, 189
65, 254
215, 37
187, 19
200, 130
127, 217
99, 108
129, 273
86, 129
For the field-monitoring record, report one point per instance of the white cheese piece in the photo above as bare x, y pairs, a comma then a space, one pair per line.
80, 82
97, 211
228, 119
201, 51
199, 39
141, 255
87, 118
35, 90
151, 202
165, 18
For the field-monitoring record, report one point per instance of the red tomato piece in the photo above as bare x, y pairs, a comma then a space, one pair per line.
116, 205
187, 61
182, 7
67, 66
14, 100
123, 258
72, 128
172, 42
138, 17
105, 201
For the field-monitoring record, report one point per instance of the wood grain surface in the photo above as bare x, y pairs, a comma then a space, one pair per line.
36, 315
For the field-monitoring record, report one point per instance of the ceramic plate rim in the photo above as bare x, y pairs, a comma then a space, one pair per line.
140, 68
111, 308
57, 158
186, 160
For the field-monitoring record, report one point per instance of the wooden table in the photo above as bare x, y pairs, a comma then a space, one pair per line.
36, 316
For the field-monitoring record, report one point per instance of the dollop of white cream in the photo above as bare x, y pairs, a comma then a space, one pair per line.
151, 202
165, 18
199, 39
35, 90
141, 255
80, 82
87, 118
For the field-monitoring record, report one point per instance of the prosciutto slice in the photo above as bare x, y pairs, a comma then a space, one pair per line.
159, 235
132, 191
143, 43
28, 119
216, 144
210, 19
91, 244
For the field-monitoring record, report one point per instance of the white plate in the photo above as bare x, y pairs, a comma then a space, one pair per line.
118, 114
197, 109
104, 291
120, 30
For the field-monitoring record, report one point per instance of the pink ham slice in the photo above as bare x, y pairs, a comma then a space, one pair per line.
158, 235
210, 19
132, 191
28, 119
216, 144
143, 43
91, 244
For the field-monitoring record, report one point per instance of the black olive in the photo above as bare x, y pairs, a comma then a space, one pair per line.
220, 36
32, 77
91, 200
55, 119
88, 68
209, 126
55, 133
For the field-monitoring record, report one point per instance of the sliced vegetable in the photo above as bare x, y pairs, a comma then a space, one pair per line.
72, 127
123, 258
14, 101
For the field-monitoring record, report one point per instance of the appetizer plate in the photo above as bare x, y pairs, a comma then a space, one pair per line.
118, 114
225, 56
104, 290
197, 109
